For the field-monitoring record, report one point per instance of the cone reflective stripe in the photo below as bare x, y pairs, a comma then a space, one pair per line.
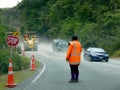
10, 64
10, 67
10, 72
33, 66
10, 82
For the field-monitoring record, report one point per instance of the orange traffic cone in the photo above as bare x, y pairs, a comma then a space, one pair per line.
33, 66
10, 82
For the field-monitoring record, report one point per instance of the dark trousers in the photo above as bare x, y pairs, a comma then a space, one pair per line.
74, 72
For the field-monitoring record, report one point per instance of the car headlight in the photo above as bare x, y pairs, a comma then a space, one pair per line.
106, 55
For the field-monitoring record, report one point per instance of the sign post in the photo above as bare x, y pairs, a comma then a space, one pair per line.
12, 41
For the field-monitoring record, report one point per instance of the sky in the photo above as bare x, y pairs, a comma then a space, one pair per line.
8, 3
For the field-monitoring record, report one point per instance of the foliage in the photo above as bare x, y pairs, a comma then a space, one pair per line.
95, 22
19, 62
117, 54
2, 36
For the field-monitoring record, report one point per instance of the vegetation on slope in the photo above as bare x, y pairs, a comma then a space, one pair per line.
95, 22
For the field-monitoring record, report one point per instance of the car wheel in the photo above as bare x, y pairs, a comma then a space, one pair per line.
106, 60
25, 47
35, 47
89, 58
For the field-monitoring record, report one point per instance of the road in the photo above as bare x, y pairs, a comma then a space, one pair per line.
55, 73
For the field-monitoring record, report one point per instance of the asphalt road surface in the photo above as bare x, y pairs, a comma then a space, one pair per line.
55, 73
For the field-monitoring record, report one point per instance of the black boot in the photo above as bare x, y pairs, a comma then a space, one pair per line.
76, 77
72, 79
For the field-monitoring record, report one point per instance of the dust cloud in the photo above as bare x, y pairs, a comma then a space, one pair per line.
45, 48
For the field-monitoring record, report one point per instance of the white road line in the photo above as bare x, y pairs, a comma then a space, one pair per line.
44, 67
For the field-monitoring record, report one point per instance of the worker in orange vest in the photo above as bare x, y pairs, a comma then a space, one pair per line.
26, 37
73, 56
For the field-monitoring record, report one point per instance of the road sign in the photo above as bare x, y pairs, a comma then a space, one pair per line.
16, 33
12, 41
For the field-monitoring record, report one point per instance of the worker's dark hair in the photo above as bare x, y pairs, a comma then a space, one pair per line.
74, 38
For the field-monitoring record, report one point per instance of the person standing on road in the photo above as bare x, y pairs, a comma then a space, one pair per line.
73, 56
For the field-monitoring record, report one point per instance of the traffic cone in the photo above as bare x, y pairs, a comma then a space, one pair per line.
10, 83
33, 66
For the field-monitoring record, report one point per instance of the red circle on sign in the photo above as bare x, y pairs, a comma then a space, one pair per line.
12, 41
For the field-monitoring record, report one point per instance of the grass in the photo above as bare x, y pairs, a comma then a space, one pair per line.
116, 54
17, 76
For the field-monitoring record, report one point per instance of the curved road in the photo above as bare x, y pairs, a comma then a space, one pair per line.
55, 73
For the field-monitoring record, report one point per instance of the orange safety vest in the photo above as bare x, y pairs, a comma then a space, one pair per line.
25, 36
74, 53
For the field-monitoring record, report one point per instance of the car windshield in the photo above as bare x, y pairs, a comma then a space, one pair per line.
62, 43
97, 50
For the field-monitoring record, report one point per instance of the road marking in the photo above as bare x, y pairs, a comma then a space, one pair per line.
44, 67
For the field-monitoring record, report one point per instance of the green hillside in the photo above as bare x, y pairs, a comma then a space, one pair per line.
95, 22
